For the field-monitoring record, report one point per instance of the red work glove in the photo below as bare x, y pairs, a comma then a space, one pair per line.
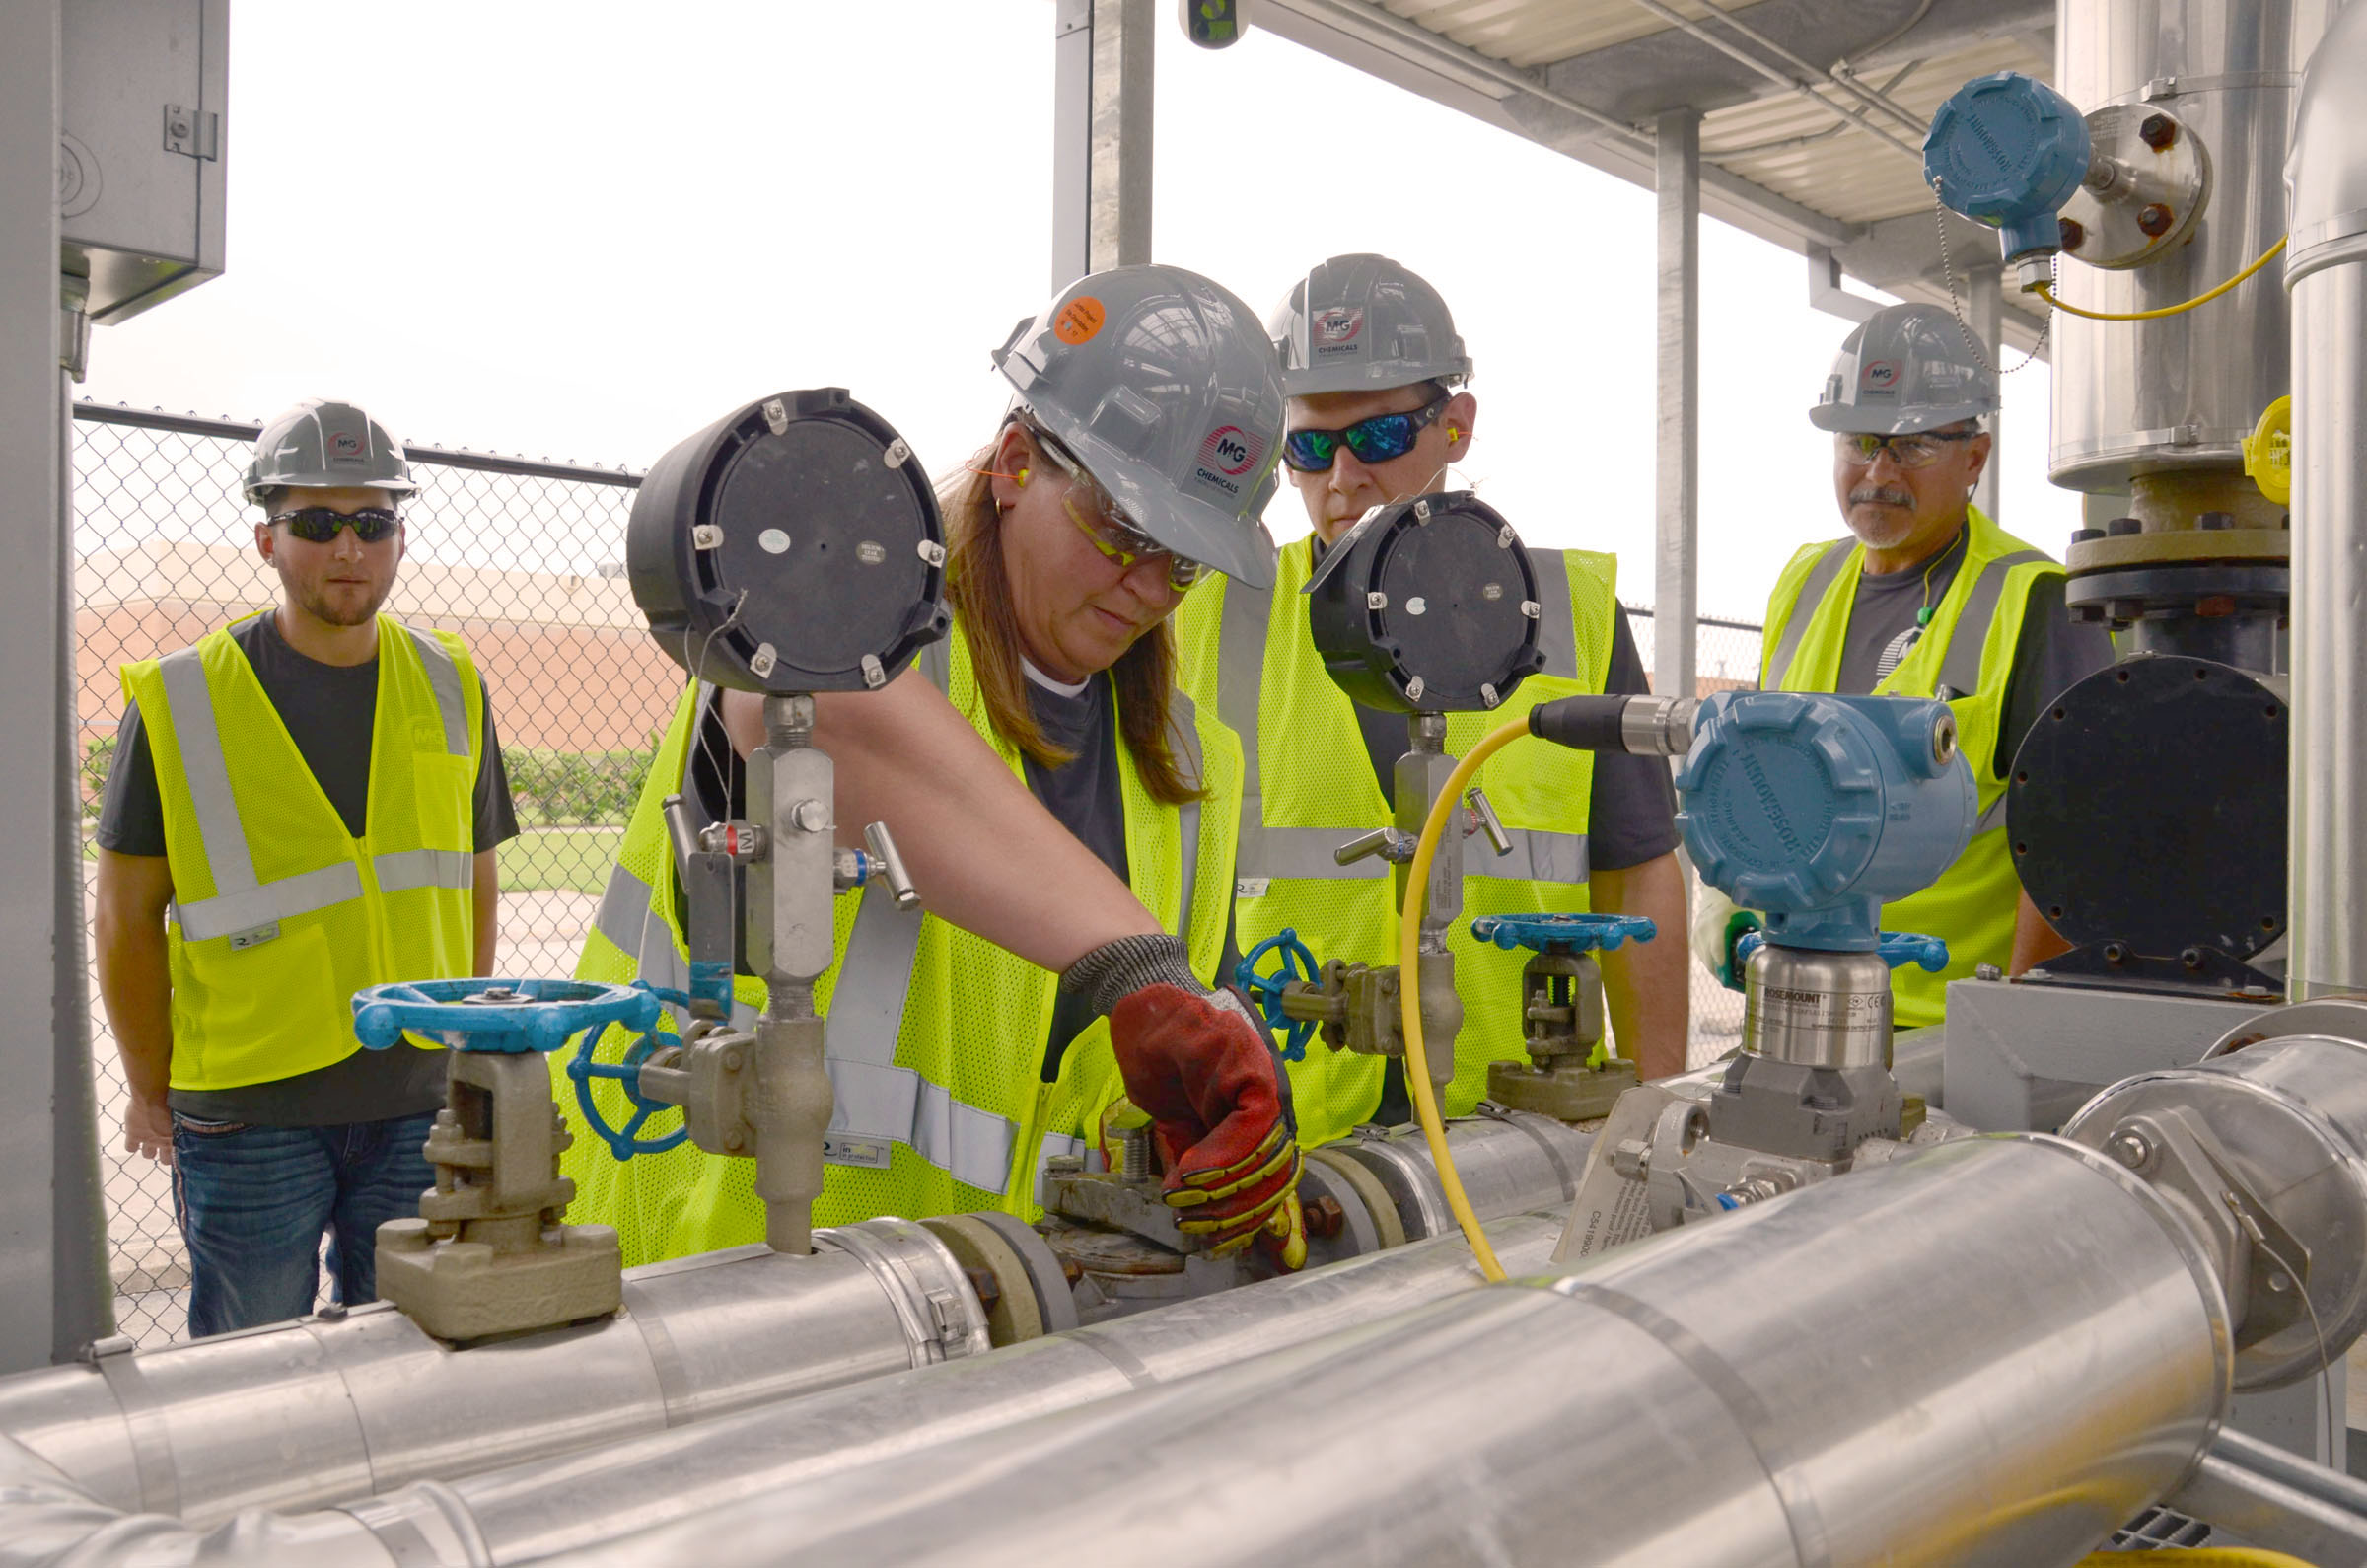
1219, 1102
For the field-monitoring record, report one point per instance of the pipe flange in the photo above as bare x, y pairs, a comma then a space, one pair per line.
1055, 1297
2287, 1120
2332, 1017
1410, 1183
924, 1285
1387, 1227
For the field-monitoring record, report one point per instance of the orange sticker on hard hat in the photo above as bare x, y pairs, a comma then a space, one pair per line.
1079, 319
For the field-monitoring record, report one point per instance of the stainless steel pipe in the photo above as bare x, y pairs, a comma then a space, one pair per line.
1992, 1352
325, 1408
2327, 281
528, 1511
1512, 1161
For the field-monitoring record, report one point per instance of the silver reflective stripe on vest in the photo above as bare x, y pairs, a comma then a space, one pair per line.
1994, 817
443, 678
1820, 578
623, 918
229, 914
1306, 852
876, 1099
1183, 718
1556, 630
425, 868
241, 905
1960, 670
1240, 667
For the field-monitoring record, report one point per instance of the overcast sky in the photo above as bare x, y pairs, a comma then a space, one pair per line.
586, 230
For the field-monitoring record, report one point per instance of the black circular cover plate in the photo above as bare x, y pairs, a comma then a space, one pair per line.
1427, 606
2147, 805
793, 545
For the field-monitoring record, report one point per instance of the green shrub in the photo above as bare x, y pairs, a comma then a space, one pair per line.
581, 787
98, 755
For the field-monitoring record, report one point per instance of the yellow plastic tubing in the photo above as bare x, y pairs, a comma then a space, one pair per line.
1409, 989
2046, 291
2197, 1557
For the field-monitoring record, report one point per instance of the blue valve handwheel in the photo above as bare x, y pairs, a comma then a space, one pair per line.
1563, 933
496, 1015
1895, 948
1298, 963
623, 1142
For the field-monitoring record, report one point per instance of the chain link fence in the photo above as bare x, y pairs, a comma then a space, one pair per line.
523, 560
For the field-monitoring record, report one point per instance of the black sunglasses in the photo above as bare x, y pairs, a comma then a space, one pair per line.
318, 524
1374, 440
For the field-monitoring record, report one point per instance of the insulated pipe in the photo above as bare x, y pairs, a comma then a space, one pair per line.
329, 1408
2325, 272
1991, 1352
526, 1512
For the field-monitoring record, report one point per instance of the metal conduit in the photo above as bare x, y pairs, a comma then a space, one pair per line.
526, 1512
1847, 117
1845, 80
1992, 1352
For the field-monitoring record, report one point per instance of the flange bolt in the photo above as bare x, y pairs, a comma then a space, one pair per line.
2158, 132
2154, 219
2131, 1147
2071, 232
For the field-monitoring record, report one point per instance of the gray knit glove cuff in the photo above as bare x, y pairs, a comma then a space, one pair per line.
1118, 969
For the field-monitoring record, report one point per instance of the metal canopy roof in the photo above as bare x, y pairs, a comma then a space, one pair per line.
1811, 108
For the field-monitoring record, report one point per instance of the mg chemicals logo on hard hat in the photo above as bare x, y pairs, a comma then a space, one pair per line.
1336, 330
1879, 375
1228, 449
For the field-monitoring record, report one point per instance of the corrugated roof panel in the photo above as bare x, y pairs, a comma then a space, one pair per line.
1849, 173
1537, 32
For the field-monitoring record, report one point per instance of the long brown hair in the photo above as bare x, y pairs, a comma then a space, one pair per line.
980, 586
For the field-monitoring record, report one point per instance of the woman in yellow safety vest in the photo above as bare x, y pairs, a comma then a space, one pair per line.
1137, 455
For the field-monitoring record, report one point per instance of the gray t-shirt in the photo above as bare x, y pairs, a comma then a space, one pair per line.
329, 711
2055, 653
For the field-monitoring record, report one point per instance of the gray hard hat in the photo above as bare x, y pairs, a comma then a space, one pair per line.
1364, 324
1905, 368
1160, 382
329, 446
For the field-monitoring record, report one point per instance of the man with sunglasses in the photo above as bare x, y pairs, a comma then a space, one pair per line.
305, 803
1377, 412
1926, 597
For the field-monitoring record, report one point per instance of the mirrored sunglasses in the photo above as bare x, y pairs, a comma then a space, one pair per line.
1374, 440
318, 524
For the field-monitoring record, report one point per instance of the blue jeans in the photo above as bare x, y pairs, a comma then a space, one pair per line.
252, 1203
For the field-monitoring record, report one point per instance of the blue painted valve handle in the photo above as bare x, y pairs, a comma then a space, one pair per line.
1298, 963
583, 1069
1563, 933
496, 1015
1896, 948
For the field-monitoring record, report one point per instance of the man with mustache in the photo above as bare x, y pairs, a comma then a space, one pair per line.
304, 803
1928, 597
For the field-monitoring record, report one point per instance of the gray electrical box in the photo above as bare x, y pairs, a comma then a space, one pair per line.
139, 180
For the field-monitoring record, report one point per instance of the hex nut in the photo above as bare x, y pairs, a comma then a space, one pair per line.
2071, 233
2158, 132
2154, 219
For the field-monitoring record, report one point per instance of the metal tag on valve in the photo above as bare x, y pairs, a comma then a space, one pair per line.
793, 545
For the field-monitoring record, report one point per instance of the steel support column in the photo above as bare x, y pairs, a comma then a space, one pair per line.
1101, 136
52, 1237
1677, 560
1984, 307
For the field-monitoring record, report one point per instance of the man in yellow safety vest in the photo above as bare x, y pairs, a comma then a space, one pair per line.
1926, 597
305, 803
1377, 411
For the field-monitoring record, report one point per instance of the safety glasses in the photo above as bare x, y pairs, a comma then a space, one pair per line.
1099, 519
1919, 451
1374, 440
318, 524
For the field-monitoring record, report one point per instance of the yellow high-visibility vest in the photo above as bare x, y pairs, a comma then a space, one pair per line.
1967, 649
935, 1037
1308, 788
279, 915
